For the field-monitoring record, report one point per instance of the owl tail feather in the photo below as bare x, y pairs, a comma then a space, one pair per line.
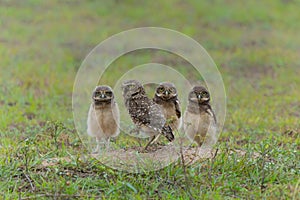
168, 133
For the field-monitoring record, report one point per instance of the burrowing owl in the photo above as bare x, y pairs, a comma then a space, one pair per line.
166, 96
103, 117
145, 113
199, 120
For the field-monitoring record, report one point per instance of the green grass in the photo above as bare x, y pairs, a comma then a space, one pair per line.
254, 44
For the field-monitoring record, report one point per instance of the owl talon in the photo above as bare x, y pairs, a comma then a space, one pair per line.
95, 152
134, 131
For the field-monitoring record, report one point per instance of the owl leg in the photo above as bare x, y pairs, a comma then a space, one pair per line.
107, 144
199, 139
96, 151
152, 140
155, 138
101, 143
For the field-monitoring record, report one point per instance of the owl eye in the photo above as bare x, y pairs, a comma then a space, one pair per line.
161, 90
204, 94
172, 90
193, 95
109, 93
97, 93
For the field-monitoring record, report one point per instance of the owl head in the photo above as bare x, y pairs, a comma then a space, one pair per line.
102, 94
199, 94
131, 88
166, 91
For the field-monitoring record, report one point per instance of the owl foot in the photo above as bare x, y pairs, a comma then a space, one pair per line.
96, 150
134, 131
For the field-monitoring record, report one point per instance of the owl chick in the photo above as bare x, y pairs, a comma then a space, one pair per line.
103, 117
166, 96
199, 120
144, 112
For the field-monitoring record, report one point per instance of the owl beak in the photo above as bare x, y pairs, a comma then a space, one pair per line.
199, 96
102, 96
166, 93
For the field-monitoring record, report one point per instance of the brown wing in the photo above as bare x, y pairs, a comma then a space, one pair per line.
211, 112
144, 111
177, 108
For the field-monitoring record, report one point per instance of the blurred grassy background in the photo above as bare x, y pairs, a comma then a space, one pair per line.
255, 44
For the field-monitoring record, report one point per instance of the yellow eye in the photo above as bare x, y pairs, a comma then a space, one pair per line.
204, 94
108, 93
172, 90
160, 89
